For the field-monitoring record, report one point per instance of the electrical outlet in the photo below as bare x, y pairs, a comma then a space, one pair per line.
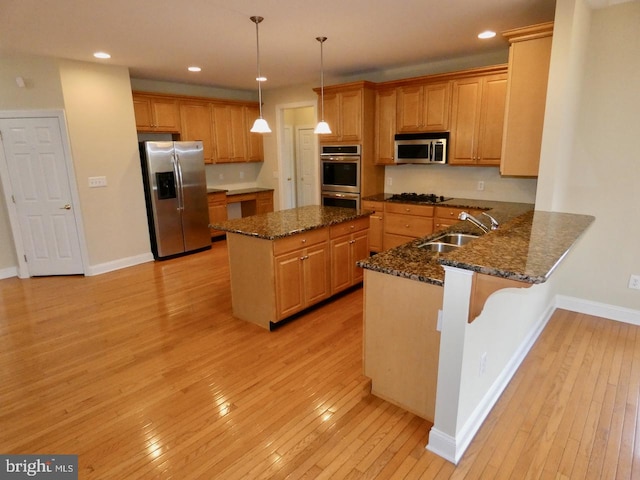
241, 174
634, 282
480, 186
389, 181
483, 363
95, 182
439, 321
221, 176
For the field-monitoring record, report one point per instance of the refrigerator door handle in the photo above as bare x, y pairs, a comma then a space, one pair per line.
178, 172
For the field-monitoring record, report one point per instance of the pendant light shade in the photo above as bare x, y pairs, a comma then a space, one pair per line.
323, 127
260, 125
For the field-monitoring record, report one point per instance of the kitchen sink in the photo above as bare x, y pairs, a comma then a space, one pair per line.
448, 242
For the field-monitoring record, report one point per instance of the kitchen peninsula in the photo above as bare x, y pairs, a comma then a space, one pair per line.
283, 262
444, 332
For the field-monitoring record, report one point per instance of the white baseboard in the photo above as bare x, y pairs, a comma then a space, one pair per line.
597, 309
118, 264
451, 448
8, 272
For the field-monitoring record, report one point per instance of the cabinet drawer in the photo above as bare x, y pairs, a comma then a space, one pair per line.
372, 205
408, 225
300, 240
409, 209
448, 212
346, 228
217, 199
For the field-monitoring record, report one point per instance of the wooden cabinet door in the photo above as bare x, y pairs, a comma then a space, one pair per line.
423, 107
385, 126
340, 272
142, 112
351, 116
166, 115
255, 149
156, 114
477, 120
331, 116
197, 125
436, 107
410, 104
238, 133
317, 280
289, 284
221, 134
376, 224
491, 126
529, 57
465, 117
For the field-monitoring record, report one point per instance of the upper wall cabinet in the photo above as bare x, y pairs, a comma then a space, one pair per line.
156, 113
344, 111
385, 126
423, 108
529, 57
222, 125
477, 120
196, 125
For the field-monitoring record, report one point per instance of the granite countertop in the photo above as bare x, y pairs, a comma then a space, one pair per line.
527, 246
274, 225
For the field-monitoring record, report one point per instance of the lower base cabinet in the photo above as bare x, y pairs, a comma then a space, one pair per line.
302, 279
349, 243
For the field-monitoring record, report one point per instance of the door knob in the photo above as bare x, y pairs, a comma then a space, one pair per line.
66, 207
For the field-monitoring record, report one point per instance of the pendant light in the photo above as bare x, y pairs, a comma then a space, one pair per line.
260, 125
323, 127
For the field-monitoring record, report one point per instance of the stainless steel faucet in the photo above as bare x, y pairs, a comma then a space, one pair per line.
478, 223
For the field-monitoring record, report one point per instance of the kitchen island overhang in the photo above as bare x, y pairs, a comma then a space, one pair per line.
477, 360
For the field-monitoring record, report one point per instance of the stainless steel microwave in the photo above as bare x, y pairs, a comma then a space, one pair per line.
422, 148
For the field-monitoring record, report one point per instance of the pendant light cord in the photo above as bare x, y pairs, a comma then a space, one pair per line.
321, 40
257, 20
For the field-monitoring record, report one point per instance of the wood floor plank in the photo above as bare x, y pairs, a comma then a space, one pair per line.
145, 373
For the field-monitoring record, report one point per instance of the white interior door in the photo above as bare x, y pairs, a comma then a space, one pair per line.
288, 169
39, 188
307, 167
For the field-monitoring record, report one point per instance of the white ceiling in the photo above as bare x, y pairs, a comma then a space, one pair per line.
158, 39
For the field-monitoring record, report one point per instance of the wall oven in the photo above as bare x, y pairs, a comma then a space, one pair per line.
340, 168
337, 199
340, 174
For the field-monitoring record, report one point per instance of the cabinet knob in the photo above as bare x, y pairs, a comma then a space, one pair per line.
451, 214
352, 227
406, 225
304, 240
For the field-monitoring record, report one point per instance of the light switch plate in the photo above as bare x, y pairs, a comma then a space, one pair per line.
95, 182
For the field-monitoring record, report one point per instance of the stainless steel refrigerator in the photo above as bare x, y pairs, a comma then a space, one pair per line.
175, 189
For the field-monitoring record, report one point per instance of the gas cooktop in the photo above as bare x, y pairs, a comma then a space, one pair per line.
417, 198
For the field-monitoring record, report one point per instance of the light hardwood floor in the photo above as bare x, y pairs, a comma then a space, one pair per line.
144, 373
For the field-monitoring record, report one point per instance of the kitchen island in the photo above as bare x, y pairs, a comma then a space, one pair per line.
444, 332
283, 262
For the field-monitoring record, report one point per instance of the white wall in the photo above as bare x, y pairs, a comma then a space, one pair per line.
590, 161
102, 132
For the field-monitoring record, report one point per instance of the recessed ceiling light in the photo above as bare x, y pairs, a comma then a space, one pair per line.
194, 69
102, 55
487, 34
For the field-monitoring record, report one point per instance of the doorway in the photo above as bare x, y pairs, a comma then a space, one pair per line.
40, 192
298, 155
